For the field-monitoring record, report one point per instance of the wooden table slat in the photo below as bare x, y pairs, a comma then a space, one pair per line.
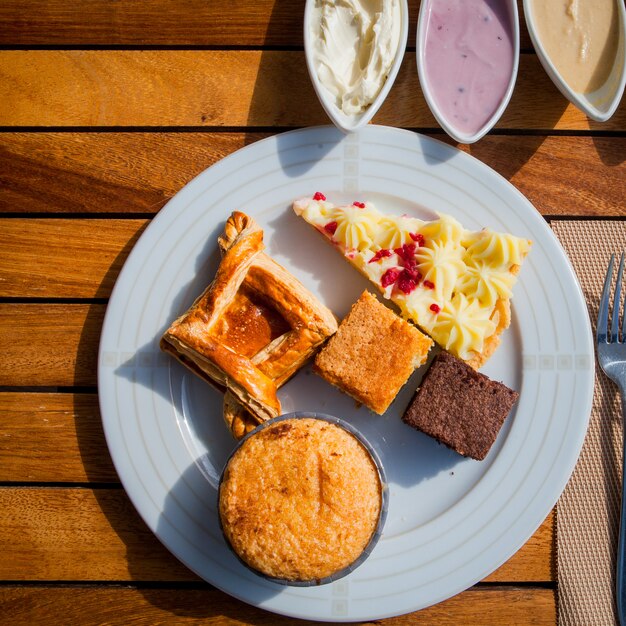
79, 534
230, 88
103, 173
122, 606
182, 22
53, 437
82, 534
49, 344
64, 258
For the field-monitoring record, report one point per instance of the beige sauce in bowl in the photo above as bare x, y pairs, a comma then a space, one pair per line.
581, 39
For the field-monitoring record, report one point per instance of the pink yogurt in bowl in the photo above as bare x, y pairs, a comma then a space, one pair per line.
467, 59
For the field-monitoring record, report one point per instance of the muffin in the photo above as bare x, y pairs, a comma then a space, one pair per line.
301, 500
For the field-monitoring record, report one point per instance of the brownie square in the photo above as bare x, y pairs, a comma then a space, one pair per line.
372, 354
460, 407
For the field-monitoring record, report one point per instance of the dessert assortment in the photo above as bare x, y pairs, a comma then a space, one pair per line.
321, 507
301, 498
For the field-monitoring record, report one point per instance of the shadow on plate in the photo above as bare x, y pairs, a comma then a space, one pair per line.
190, 521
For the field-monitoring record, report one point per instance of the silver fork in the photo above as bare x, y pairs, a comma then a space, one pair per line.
612, 358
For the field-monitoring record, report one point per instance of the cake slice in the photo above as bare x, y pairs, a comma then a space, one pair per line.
372, 354
460, 407
453, 283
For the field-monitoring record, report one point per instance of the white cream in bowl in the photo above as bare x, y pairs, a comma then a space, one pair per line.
354, 49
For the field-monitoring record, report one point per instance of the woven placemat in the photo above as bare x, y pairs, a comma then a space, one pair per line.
588, 511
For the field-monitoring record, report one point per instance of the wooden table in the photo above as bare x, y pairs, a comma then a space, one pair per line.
107, 109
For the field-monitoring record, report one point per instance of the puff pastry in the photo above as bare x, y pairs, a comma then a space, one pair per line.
251, 329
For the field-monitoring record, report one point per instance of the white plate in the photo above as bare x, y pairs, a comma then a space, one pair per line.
451, 520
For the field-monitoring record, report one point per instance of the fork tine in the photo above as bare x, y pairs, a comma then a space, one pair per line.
603, 313
617, 302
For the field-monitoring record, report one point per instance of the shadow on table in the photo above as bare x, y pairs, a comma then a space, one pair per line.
283, 96
611, 150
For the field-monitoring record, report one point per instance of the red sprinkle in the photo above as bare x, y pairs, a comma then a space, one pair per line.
382, 253
406, 253
435, 308
417, 237
331, 227
319, 196
390, 277
428, 284
360, 205
407, 281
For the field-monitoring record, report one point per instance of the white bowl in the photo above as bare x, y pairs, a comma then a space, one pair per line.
455, 133
351, 123
599, 105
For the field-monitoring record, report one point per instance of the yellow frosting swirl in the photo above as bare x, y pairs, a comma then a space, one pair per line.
441, 263
395, 230
482, 282
462, 325
496, 249
356, 228
445, 229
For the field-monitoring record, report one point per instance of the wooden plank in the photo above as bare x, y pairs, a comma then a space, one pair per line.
49, 345
64, 258
25, 606
138, 172
561, 176
182, 22
83, 534
79, 534
104, 172
49, 437
229, 88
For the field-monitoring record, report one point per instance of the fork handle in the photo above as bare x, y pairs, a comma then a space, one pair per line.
621, 548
